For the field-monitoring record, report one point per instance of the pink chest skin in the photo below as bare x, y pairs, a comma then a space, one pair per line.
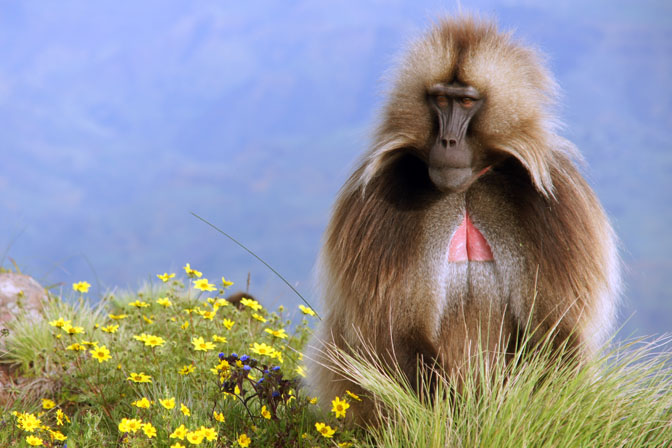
468, 244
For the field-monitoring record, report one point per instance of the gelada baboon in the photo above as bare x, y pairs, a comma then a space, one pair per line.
466, 219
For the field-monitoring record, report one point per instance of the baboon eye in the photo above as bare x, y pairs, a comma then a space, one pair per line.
442, 101
467, 102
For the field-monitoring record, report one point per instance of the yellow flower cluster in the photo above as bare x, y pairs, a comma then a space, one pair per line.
195, 436
36, 427
150, 340
186, 327
133, 425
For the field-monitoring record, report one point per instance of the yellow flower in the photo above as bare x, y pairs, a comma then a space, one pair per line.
154, 341
149, 430
223, 365
216, 338
256, 306
243, 440
228, 323
280, 334
265, 413
192, 272
177, 445
208, 433
81, 286
59, 322
72, 330
147, 319
301, 371
259, 317
57, 435
204, 285
352, 395
186, 370
195, 437
130, 425
110, 328
164, 301
226, 283
165, 276
61, 417
277, 354
179, 433
142, 337
219, 303
28, 422
140, 378
218, 416
185, 325
168, 403
325, 430
261, 349
117, 316
208, 314
313, 400
139, 304
34, 441
339, 406
143, 403
185, 410
201, 345
306, 310
345, 445
48, 404
100, 353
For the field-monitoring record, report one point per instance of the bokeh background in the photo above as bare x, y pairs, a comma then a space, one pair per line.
118, 119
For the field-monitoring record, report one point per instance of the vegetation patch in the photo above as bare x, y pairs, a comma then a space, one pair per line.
176, 365
172, 365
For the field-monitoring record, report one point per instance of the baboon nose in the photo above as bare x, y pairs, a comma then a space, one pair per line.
448, 142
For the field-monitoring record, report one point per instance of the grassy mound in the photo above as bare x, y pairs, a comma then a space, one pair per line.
170, 365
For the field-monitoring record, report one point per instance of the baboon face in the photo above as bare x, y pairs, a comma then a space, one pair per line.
453, 162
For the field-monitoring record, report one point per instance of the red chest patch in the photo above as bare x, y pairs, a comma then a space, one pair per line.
468, 244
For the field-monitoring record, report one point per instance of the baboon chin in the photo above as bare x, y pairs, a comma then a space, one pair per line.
467, 219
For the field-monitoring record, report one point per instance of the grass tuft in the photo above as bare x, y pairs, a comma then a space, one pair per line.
623, 398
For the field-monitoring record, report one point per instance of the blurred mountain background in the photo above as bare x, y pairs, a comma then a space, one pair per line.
118, 119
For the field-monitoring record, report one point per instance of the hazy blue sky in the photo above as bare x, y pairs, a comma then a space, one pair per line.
118, 119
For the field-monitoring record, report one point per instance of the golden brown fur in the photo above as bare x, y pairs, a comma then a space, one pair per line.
386, 281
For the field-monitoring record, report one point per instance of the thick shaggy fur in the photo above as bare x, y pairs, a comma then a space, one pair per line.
386, 279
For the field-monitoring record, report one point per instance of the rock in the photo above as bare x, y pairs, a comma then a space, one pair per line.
18, 293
